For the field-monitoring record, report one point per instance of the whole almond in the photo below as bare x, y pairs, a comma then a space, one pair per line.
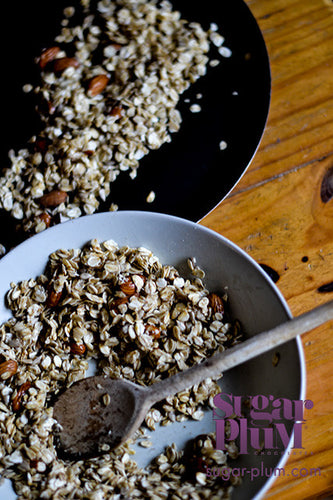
128, 287
53, 298
8, 368
46, 218
117, 302
45, 107
79, 349
47, 56
97, 84
51, 107
59, 65
40, 145
216, 303
53, 198
116, 45
17, 400
117, 111
153, 331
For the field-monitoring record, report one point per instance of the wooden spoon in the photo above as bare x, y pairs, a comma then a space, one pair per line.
97, 413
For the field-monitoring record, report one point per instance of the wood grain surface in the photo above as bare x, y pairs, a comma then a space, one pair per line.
283, 206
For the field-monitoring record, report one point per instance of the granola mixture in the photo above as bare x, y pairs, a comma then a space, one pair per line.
138, 319
108, 94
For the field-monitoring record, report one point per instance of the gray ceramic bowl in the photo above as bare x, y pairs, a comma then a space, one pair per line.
254, 300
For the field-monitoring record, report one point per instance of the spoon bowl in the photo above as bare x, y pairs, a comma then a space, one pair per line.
95, 415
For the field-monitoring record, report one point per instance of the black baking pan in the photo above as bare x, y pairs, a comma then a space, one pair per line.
191, 174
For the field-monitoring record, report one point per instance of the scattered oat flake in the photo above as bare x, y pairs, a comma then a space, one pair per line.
224, 51
213, 63
151, 197
216, 38
146, 443
201, 478
195, 108
27, 88
106, 399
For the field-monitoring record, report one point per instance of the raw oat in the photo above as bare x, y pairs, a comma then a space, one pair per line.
151, 197
195, 108
225, 51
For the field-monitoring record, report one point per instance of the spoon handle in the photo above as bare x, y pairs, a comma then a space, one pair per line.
256, 345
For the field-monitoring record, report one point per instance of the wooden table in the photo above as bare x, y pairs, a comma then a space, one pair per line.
283, 206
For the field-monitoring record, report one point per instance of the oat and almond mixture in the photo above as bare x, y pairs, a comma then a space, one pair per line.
108, 94
137, 319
